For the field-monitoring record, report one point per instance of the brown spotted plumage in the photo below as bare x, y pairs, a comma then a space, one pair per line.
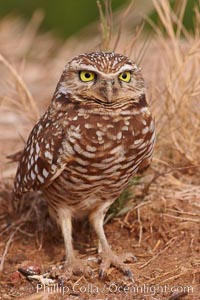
97, 133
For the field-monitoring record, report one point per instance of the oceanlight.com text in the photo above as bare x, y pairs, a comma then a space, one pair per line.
114, 288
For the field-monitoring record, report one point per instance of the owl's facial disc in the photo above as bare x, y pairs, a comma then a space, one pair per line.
102, 77
110, 88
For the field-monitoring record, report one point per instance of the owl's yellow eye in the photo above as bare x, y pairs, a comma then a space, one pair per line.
87, 76
125, 76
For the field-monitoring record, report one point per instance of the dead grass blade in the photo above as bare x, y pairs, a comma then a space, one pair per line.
138, 31
181, 89
28, 102
105, 24
182, 218
122, 24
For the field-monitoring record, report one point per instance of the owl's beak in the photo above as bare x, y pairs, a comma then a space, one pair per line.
106, 90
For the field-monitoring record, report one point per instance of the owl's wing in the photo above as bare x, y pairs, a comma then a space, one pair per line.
41, 161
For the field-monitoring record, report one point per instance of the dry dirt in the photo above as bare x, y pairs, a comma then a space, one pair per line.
164, 241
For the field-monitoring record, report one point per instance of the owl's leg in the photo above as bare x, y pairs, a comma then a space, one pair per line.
108, 257
65, 220
73, 265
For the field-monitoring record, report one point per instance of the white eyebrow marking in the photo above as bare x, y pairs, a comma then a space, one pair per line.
84, 67
127, 68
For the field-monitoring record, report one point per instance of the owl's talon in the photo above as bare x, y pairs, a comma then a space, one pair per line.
110, 259
128, 273
101, 274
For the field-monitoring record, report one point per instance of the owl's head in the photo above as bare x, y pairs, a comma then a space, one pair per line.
106, 78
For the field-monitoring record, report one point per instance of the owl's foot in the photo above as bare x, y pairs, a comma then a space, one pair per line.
77, 267
109, 258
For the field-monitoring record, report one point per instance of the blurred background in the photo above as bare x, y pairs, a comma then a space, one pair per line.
65, 17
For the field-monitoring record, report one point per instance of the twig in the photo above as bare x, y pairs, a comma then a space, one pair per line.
25, 233
156, 245
181, 218
159, 253
160, 276
184, 212
142, 204
140, 227
6, 248
146, 189
179, 275
79, 279
178, 295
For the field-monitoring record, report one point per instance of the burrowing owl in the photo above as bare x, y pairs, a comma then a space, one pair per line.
96, 134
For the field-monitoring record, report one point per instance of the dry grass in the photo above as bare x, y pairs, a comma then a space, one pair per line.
179, 122
170, 190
